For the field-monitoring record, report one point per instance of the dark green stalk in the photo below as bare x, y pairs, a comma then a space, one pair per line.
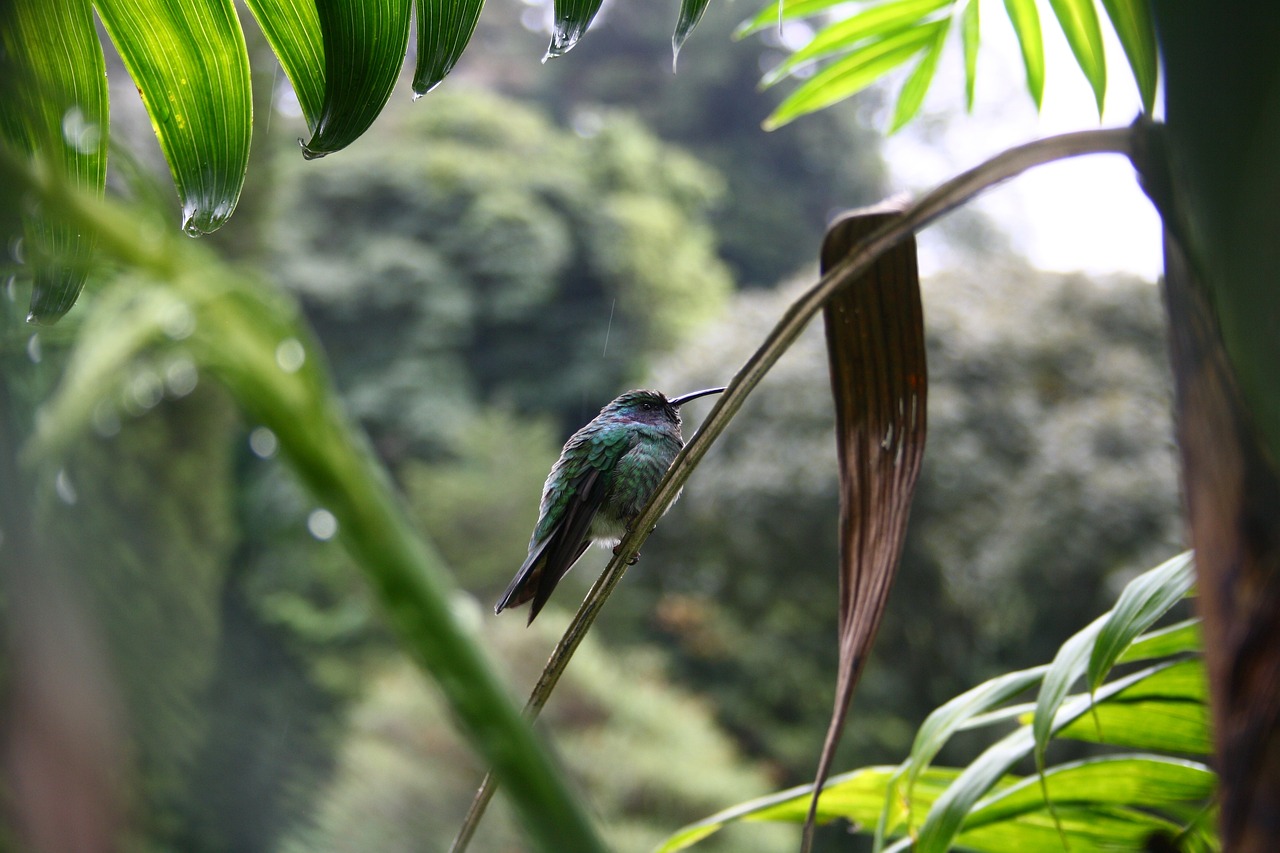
239, 326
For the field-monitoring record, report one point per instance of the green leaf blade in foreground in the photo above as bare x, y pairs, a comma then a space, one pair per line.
938, 728
913, 91
55, 97
1068, 665
1026, 23
970, 38
952, 809
444, 29
857, 796
364, 47
877, 23
1121, 781
292, 28
572, 17
1094, 650
1167, 712
1179, 638
946, 720
1132, 22
1143, 601
852, 74
190, 63
1079, 21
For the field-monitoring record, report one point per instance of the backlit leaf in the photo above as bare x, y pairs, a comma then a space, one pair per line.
292, 28
364, 47
54, 90
885, 21
970, 37
1144, 600
852, 74
952, 809
913, 91
1179, 638
1132, 22
444, 28
1079, 22
191, 66
1026, 23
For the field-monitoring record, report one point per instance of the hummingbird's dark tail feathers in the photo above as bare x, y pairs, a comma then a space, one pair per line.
533, 582
525, 583
677, 402
548, 576
560, 548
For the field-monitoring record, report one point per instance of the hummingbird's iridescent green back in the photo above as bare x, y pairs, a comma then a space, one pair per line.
605, 475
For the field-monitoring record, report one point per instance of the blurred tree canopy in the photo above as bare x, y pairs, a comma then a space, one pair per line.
1049, 477
782, 187
500, 259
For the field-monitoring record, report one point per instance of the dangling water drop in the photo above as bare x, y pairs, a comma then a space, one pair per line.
569, 28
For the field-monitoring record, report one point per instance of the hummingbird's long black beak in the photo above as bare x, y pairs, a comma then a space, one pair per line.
677, 402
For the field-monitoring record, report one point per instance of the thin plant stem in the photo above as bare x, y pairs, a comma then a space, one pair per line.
942, 200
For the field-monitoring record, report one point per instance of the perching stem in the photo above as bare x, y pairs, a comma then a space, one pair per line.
947, 197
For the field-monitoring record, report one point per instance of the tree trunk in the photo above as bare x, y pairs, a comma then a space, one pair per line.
1218, 187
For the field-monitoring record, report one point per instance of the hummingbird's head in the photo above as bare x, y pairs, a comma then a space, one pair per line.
652, 407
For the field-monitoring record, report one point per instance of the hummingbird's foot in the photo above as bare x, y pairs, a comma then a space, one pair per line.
634, 559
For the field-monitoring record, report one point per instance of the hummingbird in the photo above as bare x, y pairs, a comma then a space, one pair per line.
605, 475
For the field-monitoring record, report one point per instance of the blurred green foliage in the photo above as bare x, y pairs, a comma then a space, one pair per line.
782, 188
149, 501
500, 259
390, 794
1048, 478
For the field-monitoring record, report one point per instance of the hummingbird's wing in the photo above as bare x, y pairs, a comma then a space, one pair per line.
552, 557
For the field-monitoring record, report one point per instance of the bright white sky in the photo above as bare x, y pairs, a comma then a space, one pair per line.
1082, 214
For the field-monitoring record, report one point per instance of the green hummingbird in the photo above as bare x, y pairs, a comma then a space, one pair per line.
605, 475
